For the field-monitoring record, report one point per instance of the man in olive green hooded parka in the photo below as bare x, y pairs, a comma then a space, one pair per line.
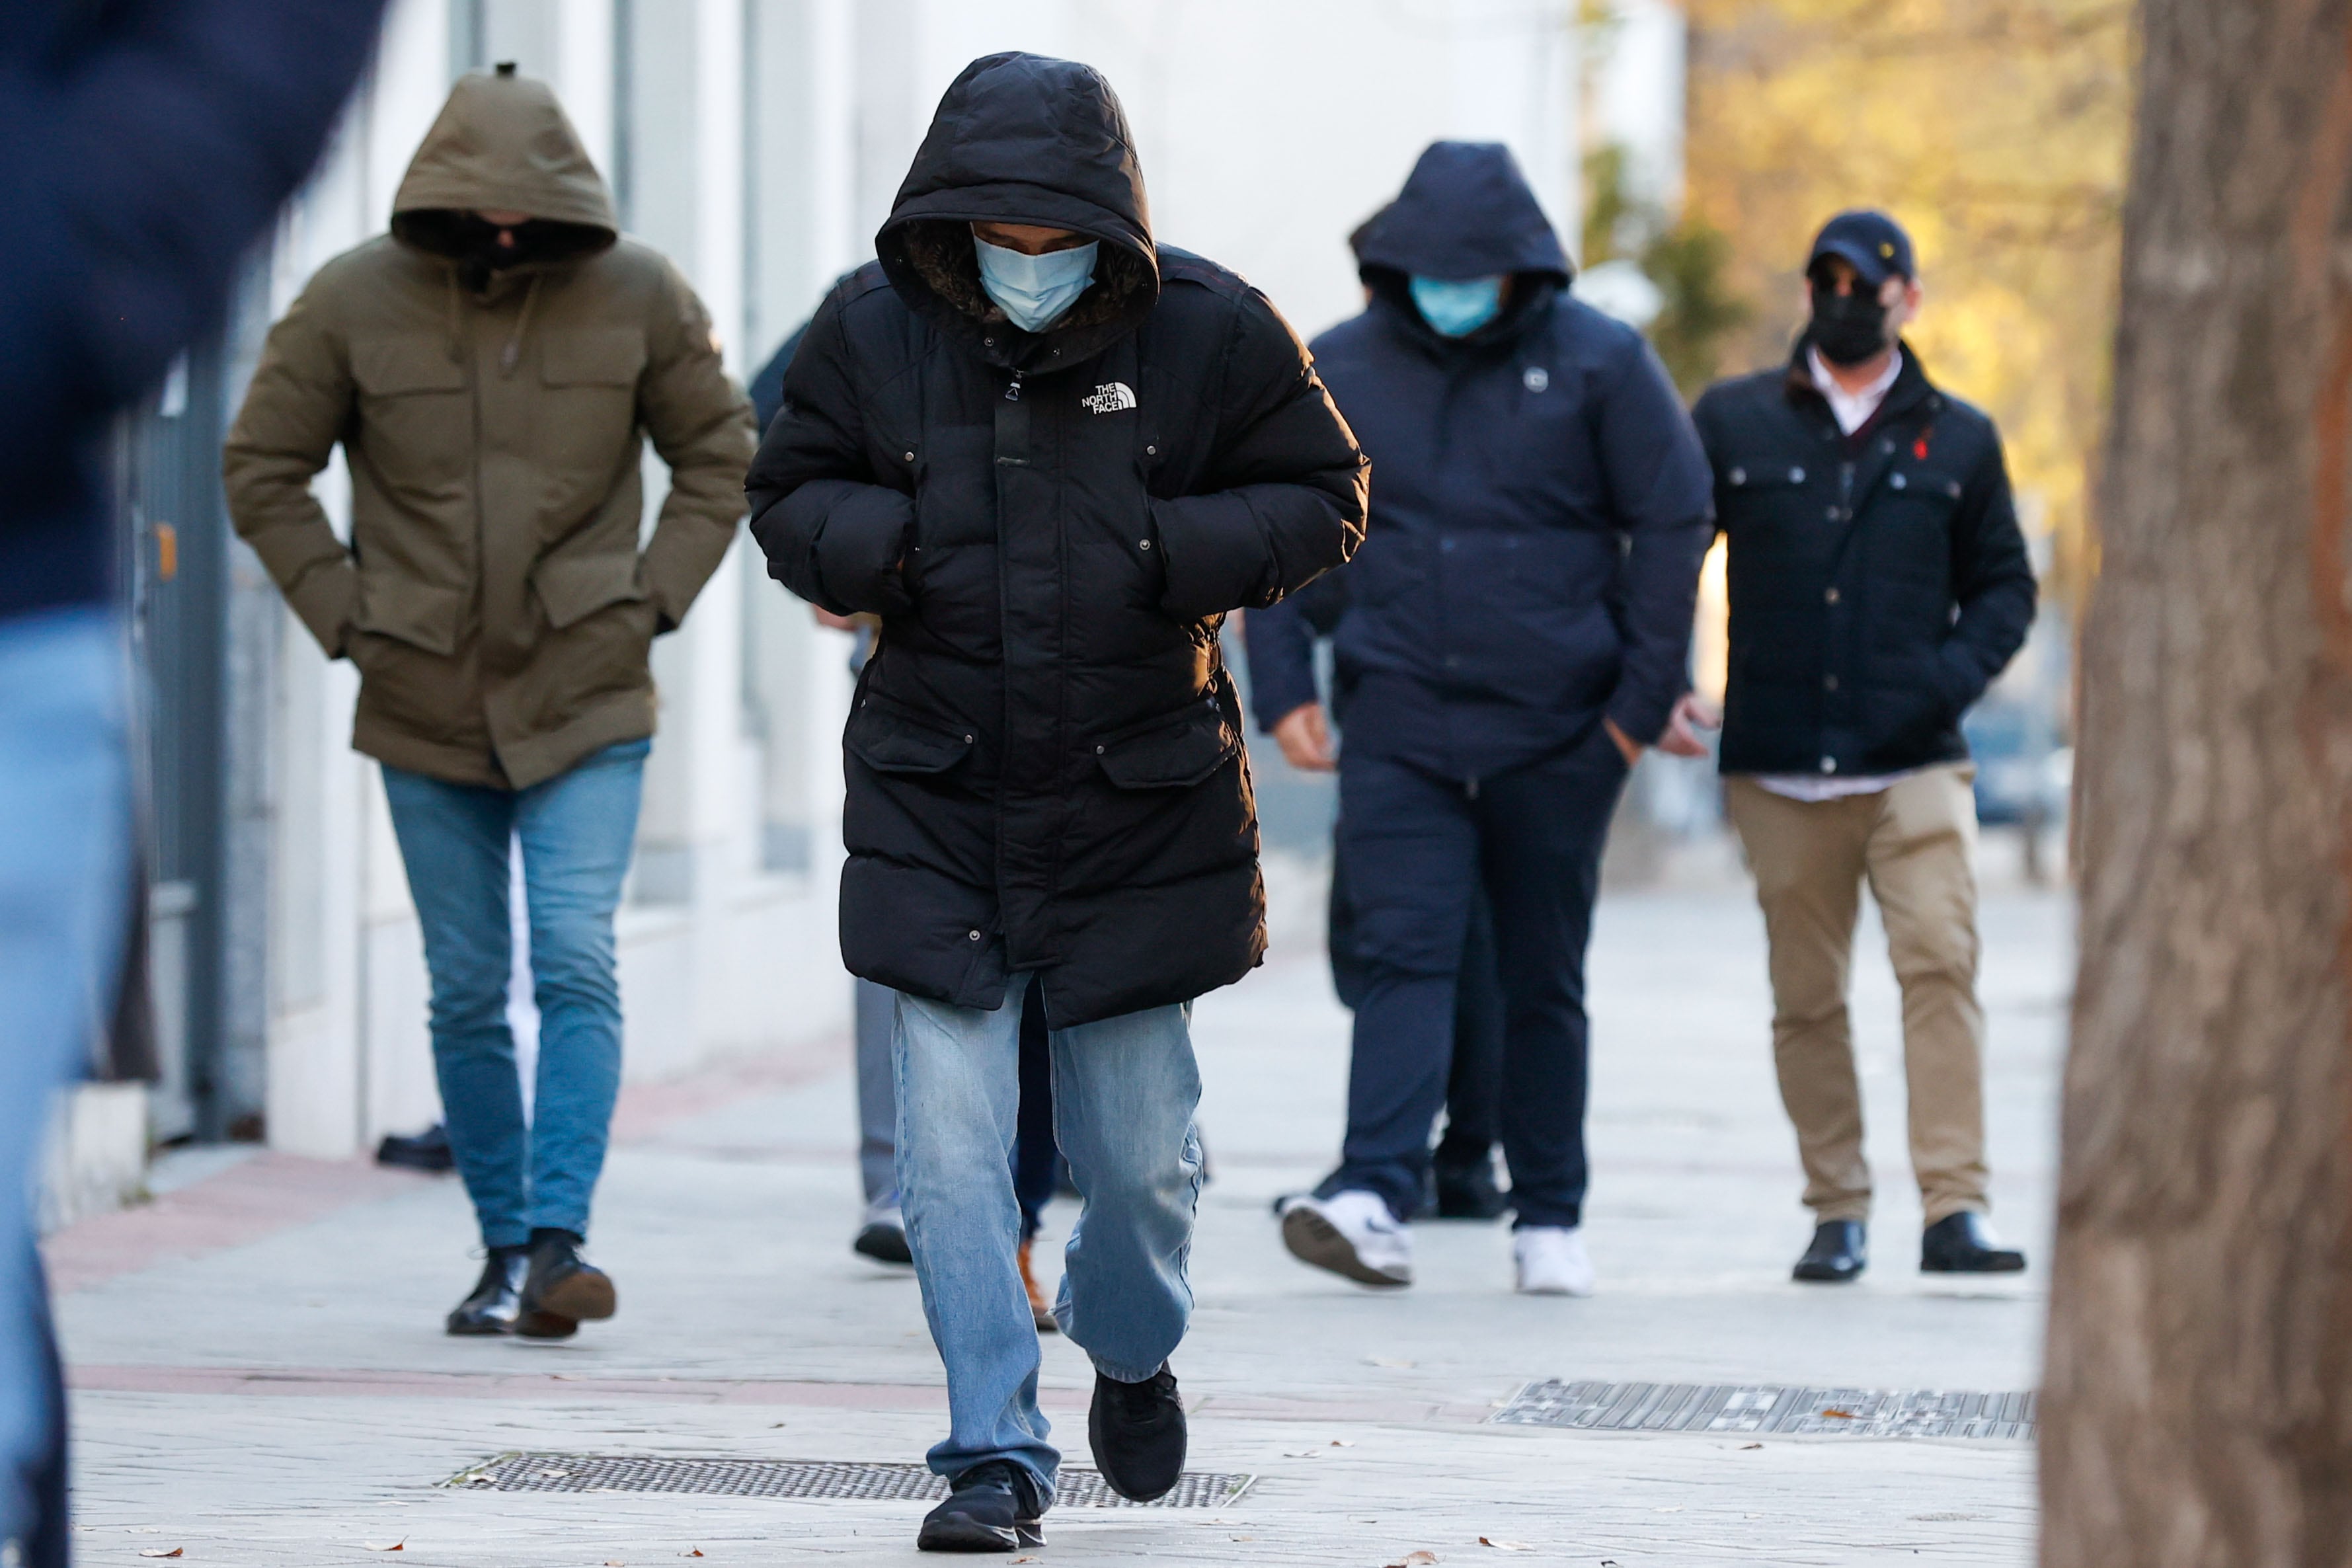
492, 369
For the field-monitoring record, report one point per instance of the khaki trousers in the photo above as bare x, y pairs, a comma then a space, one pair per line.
1911, 843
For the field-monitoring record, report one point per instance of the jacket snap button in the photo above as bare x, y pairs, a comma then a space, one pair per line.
1143, 545
910, 456
1898, 482
1829, 766
1834, 514
1739, 475
1098, 750
1829, 683
971, 936
1796, 476
1151, 451
967, 739
988, 343
1832, 595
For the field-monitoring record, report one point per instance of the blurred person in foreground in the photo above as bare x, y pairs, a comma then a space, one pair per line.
492, 368
1051, 454
1516, 632
143, 148
1878, 583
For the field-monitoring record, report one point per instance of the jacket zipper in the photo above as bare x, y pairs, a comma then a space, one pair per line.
1012, 390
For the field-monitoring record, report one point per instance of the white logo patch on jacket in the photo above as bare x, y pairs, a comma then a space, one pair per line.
1109, 398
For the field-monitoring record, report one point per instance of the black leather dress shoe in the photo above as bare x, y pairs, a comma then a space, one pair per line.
1136, 1431
1964, 1244
1469, 1192
497, 1300
1840, 1252
428, 1151
996, 1506
562, 1289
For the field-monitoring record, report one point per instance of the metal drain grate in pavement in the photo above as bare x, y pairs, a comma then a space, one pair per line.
1763, 1408
800, 1479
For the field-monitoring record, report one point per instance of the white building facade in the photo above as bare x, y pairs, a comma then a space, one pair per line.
759, 143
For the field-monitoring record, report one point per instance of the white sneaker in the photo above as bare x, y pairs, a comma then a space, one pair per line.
1552, 1261
1350, 1232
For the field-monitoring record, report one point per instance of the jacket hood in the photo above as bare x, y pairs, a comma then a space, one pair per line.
1465, 212
502, 141
1022, 138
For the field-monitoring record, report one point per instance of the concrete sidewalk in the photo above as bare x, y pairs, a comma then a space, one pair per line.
261, 1379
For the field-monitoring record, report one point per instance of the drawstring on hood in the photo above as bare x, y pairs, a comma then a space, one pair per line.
512, 356
502, 144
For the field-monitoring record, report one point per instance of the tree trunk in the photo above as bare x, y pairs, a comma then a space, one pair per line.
2197, 1409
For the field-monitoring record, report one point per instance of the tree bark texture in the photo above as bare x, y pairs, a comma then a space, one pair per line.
2197, 1395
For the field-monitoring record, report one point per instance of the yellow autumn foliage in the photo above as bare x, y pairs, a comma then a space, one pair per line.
1995, 132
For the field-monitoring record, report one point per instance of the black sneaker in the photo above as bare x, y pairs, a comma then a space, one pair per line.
562, 1289
497, 1300
995, 1506
882, 1237
1468, 1191
1136, 1430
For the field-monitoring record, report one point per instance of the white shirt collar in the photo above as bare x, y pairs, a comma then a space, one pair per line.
1852, 409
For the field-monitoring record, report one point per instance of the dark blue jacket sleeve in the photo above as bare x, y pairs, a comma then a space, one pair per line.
1281, 648
140, 156
767, 388
1660, 492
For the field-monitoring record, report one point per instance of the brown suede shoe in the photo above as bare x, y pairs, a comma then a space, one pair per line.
1039, 1308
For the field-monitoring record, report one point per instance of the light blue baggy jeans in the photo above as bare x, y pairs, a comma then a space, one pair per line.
64, 902
1124, 1093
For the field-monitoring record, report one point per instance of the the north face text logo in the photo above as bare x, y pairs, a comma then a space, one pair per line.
1109, 398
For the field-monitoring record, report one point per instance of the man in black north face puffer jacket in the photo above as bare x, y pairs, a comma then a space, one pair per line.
1044, 760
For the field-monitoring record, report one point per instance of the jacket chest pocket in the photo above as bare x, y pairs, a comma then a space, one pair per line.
1766, 498
1907, 527
416, 421
588, 378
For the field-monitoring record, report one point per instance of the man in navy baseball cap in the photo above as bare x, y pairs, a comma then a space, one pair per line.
1878, 582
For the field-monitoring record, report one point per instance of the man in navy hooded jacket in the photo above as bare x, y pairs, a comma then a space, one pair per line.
1518, 628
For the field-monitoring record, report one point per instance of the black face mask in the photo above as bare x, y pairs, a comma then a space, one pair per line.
1847, 328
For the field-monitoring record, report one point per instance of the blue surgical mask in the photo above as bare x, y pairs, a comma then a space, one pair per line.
1035, 289
1457, 308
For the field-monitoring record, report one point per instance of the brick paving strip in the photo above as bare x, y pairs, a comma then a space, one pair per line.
347, 1383
273, 1192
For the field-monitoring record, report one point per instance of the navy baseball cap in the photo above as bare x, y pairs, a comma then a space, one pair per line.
1875, 243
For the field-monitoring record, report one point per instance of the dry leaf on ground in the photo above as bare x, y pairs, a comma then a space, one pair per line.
1743, 1446
159, 1551
400, 1545
1838, 1414
696, 1552
1505, 1545
1414, 1560
1341, 1443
